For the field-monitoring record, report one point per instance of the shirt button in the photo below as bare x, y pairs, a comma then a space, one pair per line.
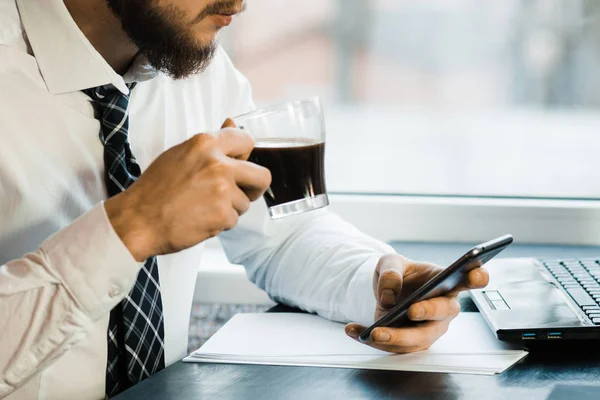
114, 292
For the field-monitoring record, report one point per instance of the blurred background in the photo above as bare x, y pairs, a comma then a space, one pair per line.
479, 98
452, 97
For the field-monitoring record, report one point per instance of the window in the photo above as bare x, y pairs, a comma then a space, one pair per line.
456, 97
434, 99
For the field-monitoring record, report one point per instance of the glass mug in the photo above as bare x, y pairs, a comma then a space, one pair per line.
289, 140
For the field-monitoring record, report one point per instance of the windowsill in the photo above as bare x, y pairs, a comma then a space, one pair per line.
471, 219
428, 220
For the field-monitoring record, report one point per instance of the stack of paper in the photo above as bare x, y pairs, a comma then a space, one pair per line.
308, 340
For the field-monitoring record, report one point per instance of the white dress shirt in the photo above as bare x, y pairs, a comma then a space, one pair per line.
63, 268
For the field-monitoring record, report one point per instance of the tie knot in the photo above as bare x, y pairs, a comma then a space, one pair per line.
106, 93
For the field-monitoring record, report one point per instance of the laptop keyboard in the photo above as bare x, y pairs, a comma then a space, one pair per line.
581, 280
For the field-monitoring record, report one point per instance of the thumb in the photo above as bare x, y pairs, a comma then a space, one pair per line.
389, 280
228, 124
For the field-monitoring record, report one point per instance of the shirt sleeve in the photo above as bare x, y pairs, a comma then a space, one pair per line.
49, 299
317, 261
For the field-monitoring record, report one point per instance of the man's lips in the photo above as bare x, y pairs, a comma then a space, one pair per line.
225, 18
222, 19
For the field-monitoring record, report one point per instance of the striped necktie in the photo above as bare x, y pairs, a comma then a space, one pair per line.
136, 327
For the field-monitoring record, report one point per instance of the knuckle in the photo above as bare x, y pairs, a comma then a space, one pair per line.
429, 309
389, 275
220, 187
217, 167
417, 312
398, 338
202, 141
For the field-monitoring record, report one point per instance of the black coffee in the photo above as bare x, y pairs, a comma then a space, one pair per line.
296, 165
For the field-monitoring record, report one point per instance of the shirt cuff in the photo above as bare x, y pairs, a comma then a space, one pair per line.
360, 301
92, 262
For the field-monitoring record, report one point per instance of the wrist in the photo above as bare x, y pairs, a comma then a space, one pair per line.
130, 225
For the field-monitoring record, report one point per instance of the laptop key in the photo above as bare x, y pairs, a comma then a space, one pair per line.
581, 297
585, 308
567, 282
552, 263
579, 272
596, 321
564, 278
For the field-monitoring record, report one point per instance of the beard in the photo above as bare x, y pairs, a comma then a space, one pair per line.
160, 35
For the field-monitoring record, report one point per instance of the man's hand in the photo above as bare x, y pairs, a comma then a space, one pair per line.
190, 193
395, 279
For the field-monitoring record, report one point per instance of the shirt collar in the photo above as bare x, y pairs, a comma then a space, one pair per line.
67, 60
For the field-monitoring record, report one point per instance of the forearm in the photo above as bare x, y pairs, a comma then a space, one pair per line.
321, 264
50, 298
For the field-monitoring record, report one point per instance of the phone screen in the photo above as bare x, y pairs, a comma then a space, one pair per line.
442, 283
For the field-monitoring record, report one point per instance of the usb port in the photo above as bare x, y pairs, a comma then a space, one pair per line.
529, 336
555, 335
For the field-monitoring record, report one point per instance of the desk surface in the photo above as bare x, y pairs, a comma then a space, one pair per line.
533, 378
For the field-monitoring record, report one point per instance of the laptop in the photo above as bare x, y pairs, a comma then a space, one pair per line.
542, 300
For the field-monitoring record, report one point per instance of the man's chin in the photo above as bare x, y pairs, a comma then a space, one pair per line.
182, 64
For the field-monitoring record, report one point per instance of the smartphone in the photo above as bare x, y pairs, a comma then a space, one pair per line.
442, 283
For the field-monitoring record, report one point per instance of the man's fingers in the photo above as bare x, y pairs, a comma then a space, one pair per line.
406, 340
240, 201
354, 330
251, 178
235, 143
436, 309
476, 279
228, 124
389, 275
403, 340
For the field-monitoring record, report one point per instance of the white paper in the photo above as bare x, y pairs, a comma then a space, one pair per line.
308, 340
